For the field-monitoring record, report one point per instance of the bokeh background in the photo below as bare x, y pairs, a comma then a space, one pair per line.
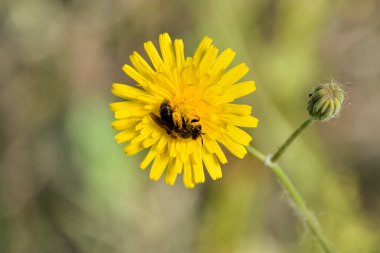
66, 186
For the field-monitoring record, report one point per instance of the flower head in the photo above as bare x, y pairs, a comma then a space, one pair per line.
325, 101
181, 110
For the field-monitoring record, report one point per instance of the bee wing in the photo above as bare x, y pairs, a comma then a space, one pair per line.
160, 122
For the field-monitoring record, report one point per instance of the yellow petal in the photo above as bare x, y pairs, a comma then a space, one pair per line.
162, 143
172, 171
243, 121
220, 154
188, 176
167, 50
235, 148
148, 158
123, 124
236, 109
238, 90
213, 147
132, 148
140, 79
208, 59
202, 48
131, 105
179, 54
222, 61
199, 175
153, 54
183, 154
165, 87
131, 93
190, 75
173, 152
150, 141
140, 138
158, 166
238, 135
233, 75
125, 136
212, 165
141, 65
128, 113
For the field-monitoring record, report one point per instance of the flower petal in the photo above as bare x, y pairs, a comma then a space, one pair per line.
148, 158
158, 166
202, 48
234, 147
188, 176
123, 124
172, 171
125, 136
233, 75
222, 61
131, 93
153, 54
212, 165
238, 135
199, 175
141, 65
167, 50
179, 53
237, 90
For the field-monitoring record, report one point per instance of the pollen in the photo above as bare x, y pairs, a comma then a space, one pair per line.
184, 108
177, 118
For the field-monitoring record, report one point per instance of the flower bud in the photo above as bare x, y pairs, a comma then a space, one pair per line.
325, 101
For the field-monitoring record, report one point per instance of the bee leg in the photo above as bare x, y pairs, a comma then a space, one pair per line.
178, 120
171, 134
202, 137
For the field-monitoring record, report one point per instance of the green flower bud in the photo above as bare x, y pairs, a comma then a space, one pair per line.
325, 101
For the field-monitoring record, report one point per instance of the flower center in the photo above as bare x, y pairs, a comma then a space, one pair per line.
184, 111
179, 119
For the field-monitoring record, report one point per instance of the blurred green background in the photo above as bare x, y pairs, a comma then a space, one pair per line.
66, 186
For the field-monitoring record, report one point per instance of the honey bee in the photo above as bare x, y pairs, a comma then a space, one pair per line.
180, 128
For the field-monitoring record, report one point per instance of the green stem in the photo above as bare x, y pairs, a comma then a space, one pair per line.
291, 138
296, 197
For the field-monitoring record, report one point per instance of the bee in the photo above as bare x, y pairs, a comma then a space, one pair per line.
179, 128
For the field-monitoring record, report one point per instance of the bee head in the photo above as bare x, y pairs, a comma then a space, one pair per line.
196, 131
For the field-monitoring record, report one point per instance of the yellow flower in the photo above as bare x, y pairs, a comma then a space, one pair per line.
181, 110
